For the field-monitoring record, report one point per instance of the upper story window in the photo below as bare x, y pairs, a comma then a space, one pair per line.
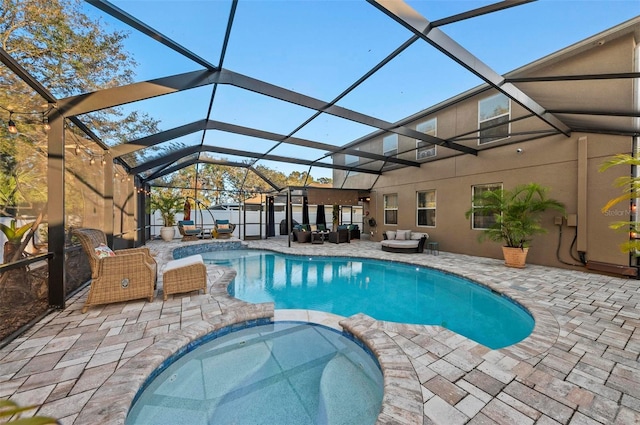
493, 118
426, 149
482, 219
426, 208
391, 209
390, 145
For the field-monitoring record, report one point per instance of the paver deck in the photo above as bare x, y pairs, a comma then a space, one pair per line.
579, 366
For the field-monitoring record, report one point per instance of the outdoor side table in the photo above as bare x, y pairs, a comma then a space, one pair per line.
317, 237
433, 248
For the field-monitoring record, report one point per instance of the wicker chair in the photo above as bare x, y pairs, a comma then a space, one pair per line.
188, 230
128, 275
224, 229
339, 236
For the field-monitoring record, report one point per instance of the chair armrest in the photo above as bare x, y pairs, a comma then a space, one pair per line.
421, 244
126, 251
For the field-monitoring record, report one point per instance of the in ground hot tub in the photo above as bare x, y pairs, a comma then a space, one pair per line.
285, 373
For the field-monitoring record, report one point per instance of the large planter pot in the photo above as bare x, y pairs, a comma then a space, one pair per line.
167, 233
515, 257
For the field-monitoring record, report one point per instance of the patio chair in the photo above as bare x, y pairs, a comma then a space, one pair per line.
224, 229
116, 276
339, 236
188, 230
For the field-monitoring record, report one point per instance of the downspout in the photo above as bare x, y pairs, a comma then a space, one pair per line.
635, 172
581, 219
633, 204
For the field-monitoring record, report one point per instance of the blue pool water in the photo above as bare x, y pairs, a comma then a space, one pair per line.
383, 290
282, 373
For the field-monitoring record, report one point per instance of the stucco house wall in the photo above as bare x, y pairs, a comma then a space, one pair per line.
552, 160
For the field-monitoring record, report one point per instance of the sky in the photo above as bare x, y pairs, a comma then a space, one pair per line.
319, 48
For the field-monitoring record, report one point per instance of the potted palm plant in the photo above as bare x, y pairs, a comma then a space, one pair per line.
517, 218
168, 204
14, 235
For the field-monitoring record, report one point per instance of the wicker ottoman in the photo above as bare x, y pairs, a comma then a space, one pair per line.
184, 275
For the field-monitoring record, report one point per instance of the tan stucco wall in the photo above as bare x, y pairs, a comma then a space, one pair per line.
551, 162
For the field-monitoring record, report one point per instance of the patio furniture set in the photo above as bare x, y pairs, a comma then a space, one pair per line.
318, 234
221, 230
131, 274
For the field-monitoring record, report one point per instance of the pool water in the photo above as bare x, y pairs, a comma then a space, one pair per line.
282, 373
384, 290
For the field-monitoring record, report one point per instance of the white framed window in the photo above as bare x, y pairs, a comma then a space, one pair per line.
391, 209
426, 149
390, 145
494, 114
426, 208
480, 218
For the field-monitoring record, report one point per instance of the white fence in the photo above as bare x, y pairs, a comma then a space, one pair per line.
255, 220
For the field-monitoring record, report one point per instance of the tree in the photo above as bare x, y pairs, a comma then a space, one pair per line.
69, 53
517, 213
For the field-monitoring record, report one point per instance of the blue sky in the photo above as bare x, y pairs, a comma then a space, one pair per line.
319, 48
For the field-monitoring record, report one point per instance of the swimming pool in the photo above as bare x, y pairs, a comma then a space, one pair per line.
281, 373
384, 290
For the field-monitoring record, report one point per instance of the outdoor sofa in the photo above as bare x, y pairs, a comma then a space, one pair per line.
405, 241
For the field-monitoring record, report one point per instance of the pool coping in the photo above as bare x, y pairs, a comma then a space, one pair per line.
402, 399
545, 331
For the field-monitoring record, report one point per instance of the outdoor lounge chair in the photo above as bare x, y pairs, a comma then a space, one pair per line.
116, 276
188, 230
224, 229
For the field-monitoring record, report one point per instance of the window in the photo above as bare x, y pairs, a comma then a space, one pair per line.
427, 208
493, 118
426, 149
390, 145
482, 219
391, 209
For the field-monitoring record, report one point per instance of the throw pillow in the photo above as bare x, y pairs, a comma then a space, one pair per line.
314, 228
103, 251
391, 235
416, 236
223, 227
189, 227
401, 235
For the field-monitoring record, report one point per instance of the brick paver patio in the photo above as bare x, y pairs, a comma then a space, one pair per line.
579, 366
